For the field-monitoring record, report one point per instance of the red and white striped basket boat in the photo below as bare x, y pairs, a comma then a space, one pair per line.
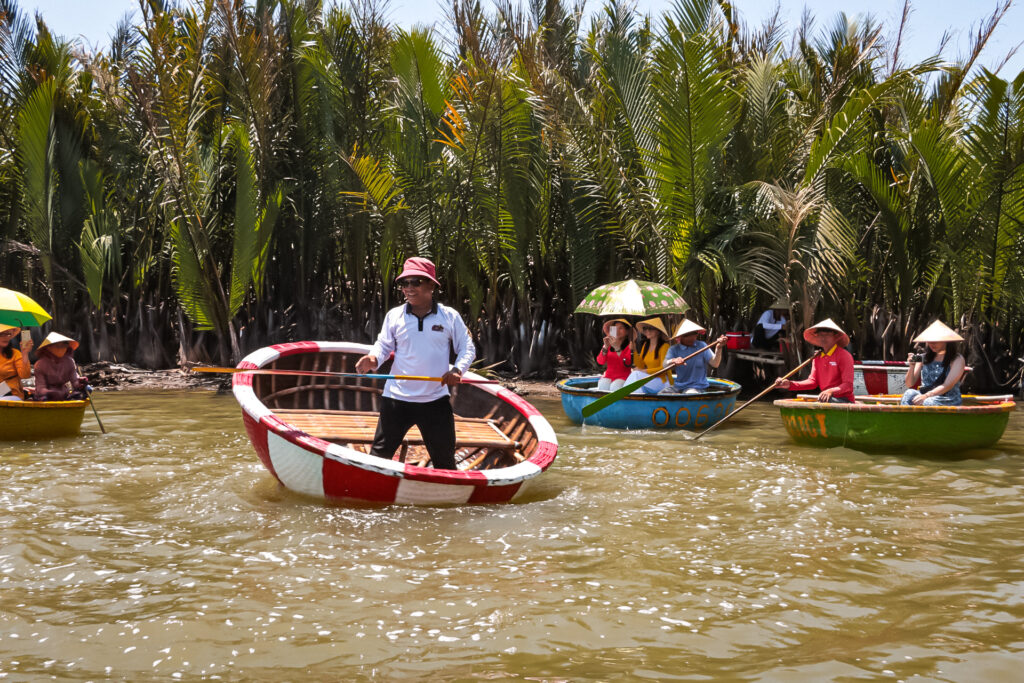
313, 433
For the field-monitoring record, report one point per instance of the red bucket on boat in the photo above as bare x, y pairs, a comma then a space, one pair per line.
737, 340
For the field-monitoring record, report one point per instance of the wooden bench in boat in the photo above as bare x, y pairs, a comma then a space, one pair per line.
350, 426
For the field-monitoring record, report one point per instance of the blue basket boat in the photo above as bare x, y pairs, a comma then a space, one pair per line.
649, 411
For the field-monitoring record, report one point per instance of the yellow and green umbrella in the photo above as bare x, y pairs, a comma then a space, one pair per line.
632, 297
20, 310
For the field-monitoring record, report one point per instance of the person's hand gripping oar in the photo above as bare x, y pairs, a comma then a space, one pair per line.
627, 389
786, 376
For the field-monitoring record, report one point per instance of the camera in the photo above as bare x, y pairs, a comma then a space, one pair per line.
917, 358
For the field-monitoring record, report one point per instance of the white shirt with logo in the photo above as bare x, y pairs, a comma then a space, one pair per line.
422, 346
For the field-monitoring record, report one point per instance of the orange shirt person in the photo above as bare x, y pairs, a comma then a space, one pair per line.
14, 364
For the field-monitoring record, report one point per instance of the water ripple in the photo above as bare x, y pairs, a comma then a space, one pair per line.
163, 549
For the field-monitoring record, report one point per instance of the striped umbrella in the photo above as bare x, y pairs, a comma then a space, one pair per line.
632, 297
20, 310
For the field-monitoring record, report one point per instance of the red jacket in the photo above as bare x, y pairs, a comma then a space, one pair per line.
830, 370
619, 362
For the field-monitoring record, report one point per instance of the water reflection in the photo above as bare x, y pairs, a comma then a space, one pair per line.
164, 549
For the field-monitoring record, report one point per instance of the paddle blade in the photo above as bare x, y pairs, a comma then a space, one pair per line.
605, 401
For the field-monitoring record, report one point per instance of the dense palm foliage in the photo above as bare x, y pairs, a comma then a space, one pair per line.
234, 173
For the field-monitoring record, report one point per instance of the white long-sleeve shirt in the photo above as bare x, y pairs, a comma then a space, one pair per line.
422, 346
770, 324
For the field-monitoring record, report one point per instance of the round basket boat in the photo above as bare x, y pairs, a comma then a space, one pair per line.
22, 420
649, 411
881, 427
314, 433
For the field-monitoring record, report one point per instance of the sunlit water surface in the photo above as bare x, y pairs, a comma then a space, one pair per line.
164, 550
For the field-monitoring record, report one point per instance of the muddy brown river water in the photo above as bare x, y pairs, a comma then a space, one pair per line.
163, 551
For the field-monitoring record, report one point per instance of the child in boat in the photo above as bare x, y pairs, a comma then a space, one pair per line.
14, 364
691, 375
615, 354
649, 349
56, 374
939, 373
832, 368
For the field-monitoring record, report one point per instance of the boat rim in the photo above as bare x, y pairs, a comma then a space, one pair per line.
810, 404
732, 388
252, 406
76, 403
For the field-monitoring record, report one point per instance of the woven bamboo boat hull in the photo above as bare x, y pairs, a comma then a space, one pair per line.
877, 428
649, 411
879, 377
313, 434
26, 420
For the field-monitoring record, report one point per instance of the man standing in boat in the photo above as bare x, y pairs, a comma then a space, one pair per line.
422, 334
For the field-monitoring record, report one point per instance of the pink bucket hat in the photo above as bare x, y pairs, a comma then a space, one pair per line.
419, 267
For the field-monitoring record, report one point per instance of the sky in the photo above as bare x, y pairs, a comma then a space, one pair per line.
94, 21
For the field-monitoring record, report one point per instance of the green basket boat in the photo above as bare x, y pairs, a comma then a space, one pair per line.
881, 426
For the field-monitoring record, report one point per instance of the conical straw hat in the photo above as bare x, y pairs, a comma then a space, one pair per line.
56, 338
4, 328
938, 332
656, 323
608, 323
780, 303
811, 333
688, 327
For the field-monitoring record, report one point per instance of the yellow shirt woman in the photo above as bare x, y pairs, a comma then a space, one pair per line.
650, 356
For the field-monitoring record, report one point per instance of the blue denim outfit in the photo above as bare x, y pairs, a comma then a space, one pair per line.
930, 375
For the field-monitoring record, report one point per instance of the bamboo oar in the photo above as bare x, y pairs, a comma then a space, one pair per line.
786, 376
92, 402
626, 390
312, 373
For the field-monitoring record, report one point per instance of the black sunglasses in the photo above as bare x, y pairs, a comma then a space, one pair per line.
411, 282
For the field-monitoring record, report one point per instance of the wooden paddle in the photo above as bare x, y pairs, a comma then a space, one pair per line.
312, 373
92, 402
627, 389
786, 376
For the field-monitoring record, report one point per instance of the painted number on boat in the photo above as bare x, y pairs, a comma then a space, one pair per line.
806, 425
661, 416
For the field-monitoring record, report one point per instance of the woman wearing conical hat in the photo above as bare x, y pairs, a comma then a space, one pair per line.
939, 371
832, 368
770, 324
649, 349
56, 374
691, 377
14, 365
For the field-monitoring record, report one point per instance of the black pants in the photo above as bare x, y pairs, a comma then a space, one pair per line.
436, 423
761, 340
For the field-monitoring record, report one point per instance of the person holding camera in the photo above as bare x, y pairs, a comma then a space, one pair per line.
939, 369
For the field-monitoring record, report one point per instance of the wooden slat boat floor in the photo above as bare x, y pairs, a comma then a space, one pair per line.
359, 427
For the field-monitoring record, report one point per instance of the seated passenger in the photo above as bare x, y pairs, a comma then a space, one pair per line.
691, 376
767, 331
831, 370
14, 364
939, 373
56, 375
615, 354
649, 349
